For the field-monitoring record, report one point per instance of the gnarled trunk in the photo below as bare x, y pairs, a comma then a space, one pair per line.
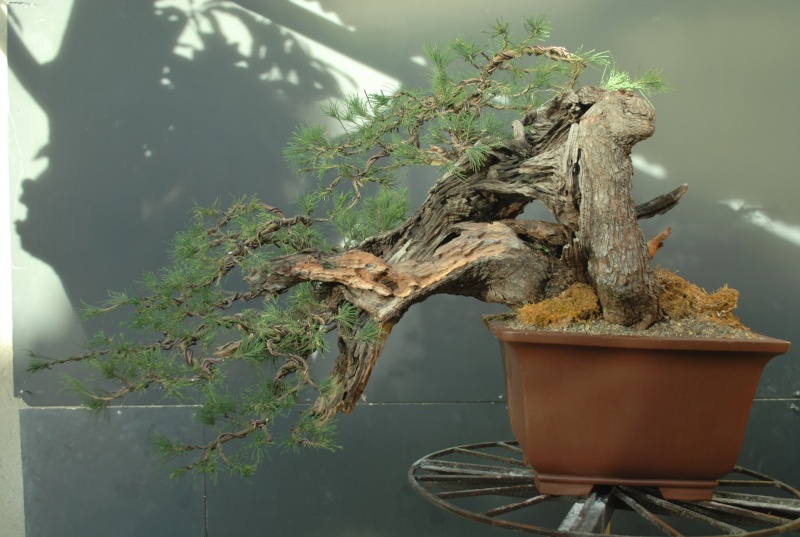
573, 155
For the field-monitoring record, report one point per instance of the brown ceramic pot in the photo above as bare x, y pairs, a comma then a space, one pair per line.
642, 411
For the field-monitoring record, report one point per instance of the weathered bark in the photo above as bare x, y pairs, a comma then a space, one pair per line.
573, 155
608, 238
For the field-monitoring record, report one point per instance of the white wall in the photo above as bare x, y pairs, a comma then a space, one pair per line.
11, 505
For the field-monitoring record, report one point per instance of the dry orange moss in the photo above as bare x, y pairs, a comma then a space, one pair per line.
678, 299
577, 303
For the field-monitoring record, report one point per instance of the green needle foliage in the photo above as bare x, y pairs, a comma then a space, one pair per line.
647, 83
210, 313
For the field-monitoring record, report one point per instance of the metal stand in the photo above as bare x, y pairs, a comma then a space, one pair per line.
490, 483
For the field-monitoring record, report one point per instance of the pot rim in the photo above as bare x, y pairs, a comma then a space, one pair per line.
501, 329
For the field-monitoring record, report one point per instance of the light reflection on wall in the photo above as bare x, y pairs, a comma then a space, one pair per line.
28, 133
331, 16
228, 19
653, 169
759, 218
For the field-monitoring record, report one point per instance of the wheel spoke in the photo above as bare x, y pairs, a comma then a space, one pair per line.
588, 515
645, 513
503, 509
490, 456
471, 468
678, 510
487, 491
758, 502
736, 515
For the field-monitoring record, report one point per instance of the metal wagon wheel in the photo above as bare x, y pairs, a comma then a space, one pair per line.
489, 482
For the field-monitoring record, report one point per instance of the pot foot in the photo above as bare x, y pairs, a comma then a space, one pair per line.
701, 492
564, 489
562, 486
685, 490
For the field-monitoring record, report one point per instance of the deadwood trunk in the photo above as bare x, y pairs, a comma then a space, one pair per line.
572, 155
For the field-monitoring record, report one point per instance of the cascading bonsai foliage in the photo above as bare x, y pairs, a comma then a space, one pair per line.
251, 287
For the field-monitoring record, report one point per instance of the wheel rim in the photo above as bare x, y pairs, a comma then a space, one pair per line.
489, 483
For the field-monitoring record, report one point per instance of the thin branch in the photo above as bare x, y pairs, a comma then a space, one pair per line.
661, 204
655, 244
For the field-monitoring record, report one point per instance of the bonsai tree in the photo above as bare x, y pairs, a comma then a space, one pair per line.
506, 123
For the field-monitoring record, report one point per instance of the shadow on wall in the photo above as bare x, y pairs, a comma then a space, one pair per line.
150, 112
154, 109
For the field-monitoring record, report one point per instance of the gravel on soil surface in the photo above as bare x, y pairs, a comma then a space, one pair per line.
685, 327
